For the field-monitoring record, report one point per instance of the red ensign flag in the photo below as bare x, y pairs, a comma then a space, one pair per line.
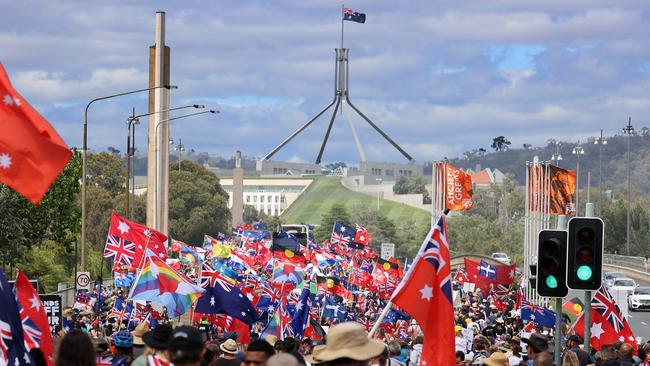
32, 154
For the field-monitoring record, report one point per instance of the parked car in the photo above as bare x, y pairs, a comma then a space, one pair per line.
608, 278
501, 257
639, 299
624, 283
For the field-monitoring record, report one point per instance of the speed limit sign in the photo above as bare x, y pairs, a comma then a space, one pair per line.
83, 280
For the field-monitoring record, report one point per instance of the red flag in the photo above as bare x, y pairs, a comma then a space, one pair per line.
32, 154
362, 236
143, 237
32, 313
608, 325
425, 293
505, 275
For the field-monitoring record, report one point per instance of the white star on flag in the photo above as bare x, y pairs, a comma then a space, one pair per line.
5, 161
36, 304
512, 273
597, 330
427, 292
123, 227
621, 338
298, 306
212, 302
243, 313
532, 317
342, 228
147, 232
270, 309
8, 99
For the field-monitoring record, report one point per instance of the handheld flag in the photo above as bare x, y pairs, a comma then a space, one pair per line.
537, 314
143, 237
223, 296
12, 341
32, 313
32, 154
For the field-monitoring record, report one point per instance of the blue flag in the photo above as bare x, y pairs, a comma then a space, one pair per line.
537, 314
395, 315
335, 311
12, 343
225, 298
353, 16
487, 270
300, 319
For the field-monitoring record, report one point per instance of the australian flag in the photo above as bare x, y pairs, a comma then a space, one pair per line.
300, 320
12, 342
225, 298
537, 314
353, 16
342, 233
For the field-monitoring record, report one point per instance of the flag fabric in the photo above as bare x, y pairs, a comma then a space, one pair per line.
330, 285
342, 233
104, 360
12, 340
187, 249
425, 294
562, 192
121, 250
537, 314
32, 154
222, 296
488, 276
334, 311
362, 236
461, 276
573, 307
459, 189
32, 313
300, 319
353, 16
142, 236
158, 282
288, 254
608, 324
287, 272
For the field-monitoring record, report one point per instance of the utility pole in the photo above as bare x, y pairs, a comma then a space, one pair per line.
629, 130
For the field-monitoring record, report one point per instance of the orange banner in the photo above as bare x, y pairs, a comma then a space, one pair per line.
459, 189
563, 189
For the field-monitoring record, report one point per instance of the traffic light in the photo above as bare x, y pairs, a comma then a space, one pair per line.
585, 264
551, 263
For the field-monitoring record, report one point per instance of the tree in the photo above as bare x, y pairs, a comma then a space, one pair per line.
250, 214
500, 143
527, 146
107, 171
401, 185
336, 213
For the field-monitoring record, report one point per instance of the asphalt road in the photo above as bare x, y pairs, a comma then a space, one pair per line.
640, 324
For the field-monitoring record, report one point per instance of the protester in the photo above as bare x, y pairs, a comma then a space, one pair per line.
573, 344
123, 342
282, 359
626, 355
138, 342
156, 344
228, 354
496, 359
347, 344
394, 351
211, 355
416, 352
570, 359
258, 352
543, 359
75, 349
185, 346
537, 343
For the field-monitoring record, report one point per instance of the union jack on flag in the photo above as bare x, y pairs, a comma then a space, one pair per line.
5, 335
604, 303
104, 360
339, 239
212, 277
32, 334
432, 253
121, 250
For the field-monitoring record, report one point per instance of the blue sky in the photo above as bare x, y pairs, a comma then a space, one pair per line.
439, 77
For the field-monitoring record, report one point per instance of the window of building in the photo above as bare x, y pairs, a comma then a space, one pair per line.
262, 199
248, 199
389, 172
277, 199
282, 199
254, 198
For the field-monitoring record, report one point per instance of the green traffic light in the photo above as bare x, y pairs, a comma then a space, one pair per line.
551, 281
584, 273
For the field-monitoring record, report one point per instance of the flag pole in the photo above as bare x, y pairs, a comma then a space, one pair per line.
342, 27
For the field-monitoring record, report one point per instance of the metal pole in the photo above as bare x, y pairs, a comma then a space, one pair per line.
132, 213
589, 186
558, 330
342, 12
128, 165
578, 185
629, 189
600, 168
589, 212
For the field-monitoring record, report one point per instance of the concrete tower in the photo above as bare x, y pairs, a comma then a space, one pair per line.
237, 210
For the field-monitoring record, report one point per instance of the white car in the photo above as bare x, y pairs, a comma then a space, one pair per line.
501, 257
639, 299
609, 277
625, 284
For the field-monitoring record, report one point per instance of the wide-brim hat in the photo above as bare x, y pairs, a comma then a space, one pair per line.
158, 337
347, 340
138, 332
496, 359
229, 347
537, 341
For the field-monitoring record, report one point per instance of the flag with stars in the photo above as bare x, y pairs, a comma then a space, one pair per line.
353, 16
12, 342
425, 294
537, 314
342, 233
32, 154
160, 283
143, 237
608, 324
488, 276
32, 313
300, 319
222, 296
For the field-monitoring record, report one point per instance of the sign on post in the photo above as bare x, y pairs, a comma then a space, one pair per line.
83, 281
52, 305
387, 250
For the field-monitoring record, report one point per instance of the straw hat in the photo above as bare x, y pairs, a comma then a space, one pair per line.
138, 332
496, 359
347, 340
229, 347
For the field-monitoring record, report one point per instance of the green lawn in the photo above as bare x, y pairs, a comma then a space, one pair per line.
326, 191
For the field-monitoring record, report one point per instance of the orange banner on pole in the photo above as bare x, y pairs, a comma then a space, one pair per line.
458, 189
563, 190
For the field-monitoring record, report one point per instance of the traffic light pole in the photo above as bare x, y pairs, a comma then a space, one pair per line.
589, 212
561, 225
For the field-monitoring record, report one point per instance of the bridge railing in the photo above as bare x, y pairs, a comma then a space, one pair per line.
626, 261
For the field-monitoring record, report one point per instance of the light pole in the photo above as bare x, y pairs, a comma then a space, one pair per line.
577, 151
158, 168
130, 146
180, 148
83, 163
600, 141
378, 180
629, 131
557, 156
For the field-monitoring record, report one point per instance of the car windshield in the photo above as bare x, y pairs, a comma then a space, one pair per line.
614, 275
642, 291
626, 283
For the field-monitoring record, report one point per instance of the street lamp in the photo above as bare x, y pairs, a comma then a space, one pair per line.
378, 180
132, 121
83, 162
577, 151
557, 156
629, 131
180, 148
157, 210
600, 141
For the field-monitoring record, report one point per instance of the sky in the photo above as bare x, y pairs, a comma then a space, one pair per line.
440, 77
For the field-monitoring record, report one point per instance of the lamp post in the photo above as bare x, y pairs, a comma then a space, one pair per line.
629, 131
158, 168
83, 162
180, 148
132, 121
379, 180
600, 141
557, 156
577, 151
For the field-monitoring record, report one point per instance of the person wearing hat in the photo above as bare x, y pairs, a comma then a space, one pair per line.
347, 344
156, 344
461, 342
185, 346
573, 344
496, 359
138, 343
228, 354
536, 344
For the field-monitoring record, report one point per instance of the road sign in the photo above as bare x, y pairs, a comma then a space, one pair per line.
387, 250
83, 280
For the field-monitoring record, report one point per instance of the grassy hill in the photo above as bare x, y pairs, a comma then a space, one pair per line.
326, 191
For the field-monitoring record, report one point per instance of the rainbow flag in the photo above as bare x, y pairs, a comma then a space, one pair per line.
158, 282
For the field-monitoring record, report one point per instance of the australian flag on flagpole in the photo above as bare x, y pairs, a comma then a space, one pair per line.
353, 16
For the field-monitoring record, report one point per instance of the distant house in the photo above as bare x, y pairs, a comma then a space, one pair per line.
484, 178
